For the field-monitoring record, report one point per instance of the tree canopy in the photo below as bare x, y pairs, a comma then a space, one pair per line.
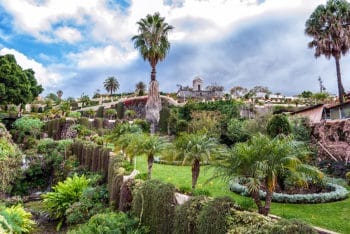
17, 86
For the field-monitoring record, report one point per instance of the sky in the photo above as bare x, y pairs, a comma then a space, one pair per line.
74, 45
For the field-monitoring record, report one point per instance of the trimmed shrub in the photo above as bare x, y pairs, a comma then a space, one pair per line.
98, 123
120, 110
212, 218
278, 124
292, 226
154, 205
248, 222
164, 115
99, 112
186, 217
338, 193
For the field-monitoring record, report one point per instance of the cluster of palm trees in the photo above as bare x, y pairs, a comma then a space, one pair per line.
260, 160
329, 26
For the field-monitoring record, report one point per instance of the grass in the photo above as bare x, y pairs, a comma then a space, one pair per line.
333, 216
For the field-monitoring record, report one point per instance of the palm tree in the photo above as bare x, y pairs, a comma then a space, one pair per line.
329, 26
59, 94
262, 158
196, 148
150, 145
111, 84
152, 42
140, 88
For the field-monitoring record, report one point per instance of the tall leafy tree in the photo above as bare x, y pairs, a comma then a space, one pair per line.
329, 26
59, 94
17, 86
111, 84
152, 42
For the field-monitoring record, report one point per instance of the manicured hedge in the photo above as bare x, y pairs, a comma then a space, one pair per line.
338, 193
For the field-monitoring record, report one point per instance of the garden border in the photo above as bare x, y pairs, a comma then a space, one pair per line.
338, 193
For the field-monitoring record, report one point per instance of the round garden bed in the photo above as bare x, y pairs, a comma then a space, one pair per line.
336, 193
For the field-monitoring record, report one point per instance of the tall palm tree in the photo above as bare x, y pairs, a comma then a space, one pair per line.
152, 42
149, 145
329, 26
264, 159
111, 84
196, 148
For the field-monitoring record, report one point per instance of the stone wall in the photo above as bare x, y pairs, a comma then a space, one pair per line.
332, 139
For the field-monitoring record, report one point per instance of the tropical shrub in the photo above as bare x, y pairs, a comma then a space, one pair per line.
74, 114
278, 124
154, 206
28, 126
109, 223
186, 217
212, 217
64, 195
15, 219
206, 122
236, 131
301, 128
92, 201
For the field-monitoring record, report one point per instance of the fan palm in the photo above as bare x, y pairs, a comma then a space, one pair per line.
262, 158
111, 84
152, 42
329, 27
149, 145
196, 148
140, 88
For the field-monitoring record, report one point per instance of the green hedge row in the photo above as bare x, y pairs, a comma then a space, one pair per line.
338, 193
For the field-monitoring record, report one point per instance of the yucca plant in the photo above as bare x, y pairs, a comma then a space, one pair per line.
64, 194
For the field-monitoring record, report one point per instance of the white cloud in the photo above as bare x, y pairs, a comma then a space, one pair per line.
102, 57
70, 35
44, 76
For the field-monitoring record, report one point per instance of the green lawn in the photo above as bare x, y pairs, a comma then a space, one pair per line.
334, 216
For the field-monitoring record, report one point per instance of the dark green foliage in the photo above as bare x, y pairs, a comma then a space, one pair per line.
108, 223
278, 124
186, 218
98, 123
164, 119
154, 205
143, 124
99, 112
301, 128
292, 226
181, 126
230, 108
84, 121
120, 110
92, 201
236, 131
17, 86
212, 218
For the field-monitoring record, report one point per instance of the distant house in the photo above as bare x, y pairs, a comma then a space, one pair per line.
198, 92
321, 112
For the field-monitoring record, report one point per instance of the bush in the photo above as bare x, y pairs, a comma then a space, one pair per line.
338, 193
154, 205
292, 226
15, 219
236, 131
301, 128
347, 177
248, 222
120, 110
212, 218
109, 223
186, 217
74, 114
64, 194
91, 202
278, 124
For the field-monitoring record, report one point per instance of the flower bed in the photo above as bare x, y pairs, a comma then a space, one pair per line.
338, 193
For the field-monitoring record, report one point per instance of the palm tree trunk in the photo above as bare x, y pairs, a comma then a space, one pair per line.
153, 73
268, 200
150, 165
195, 173
339, 81
256, 197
